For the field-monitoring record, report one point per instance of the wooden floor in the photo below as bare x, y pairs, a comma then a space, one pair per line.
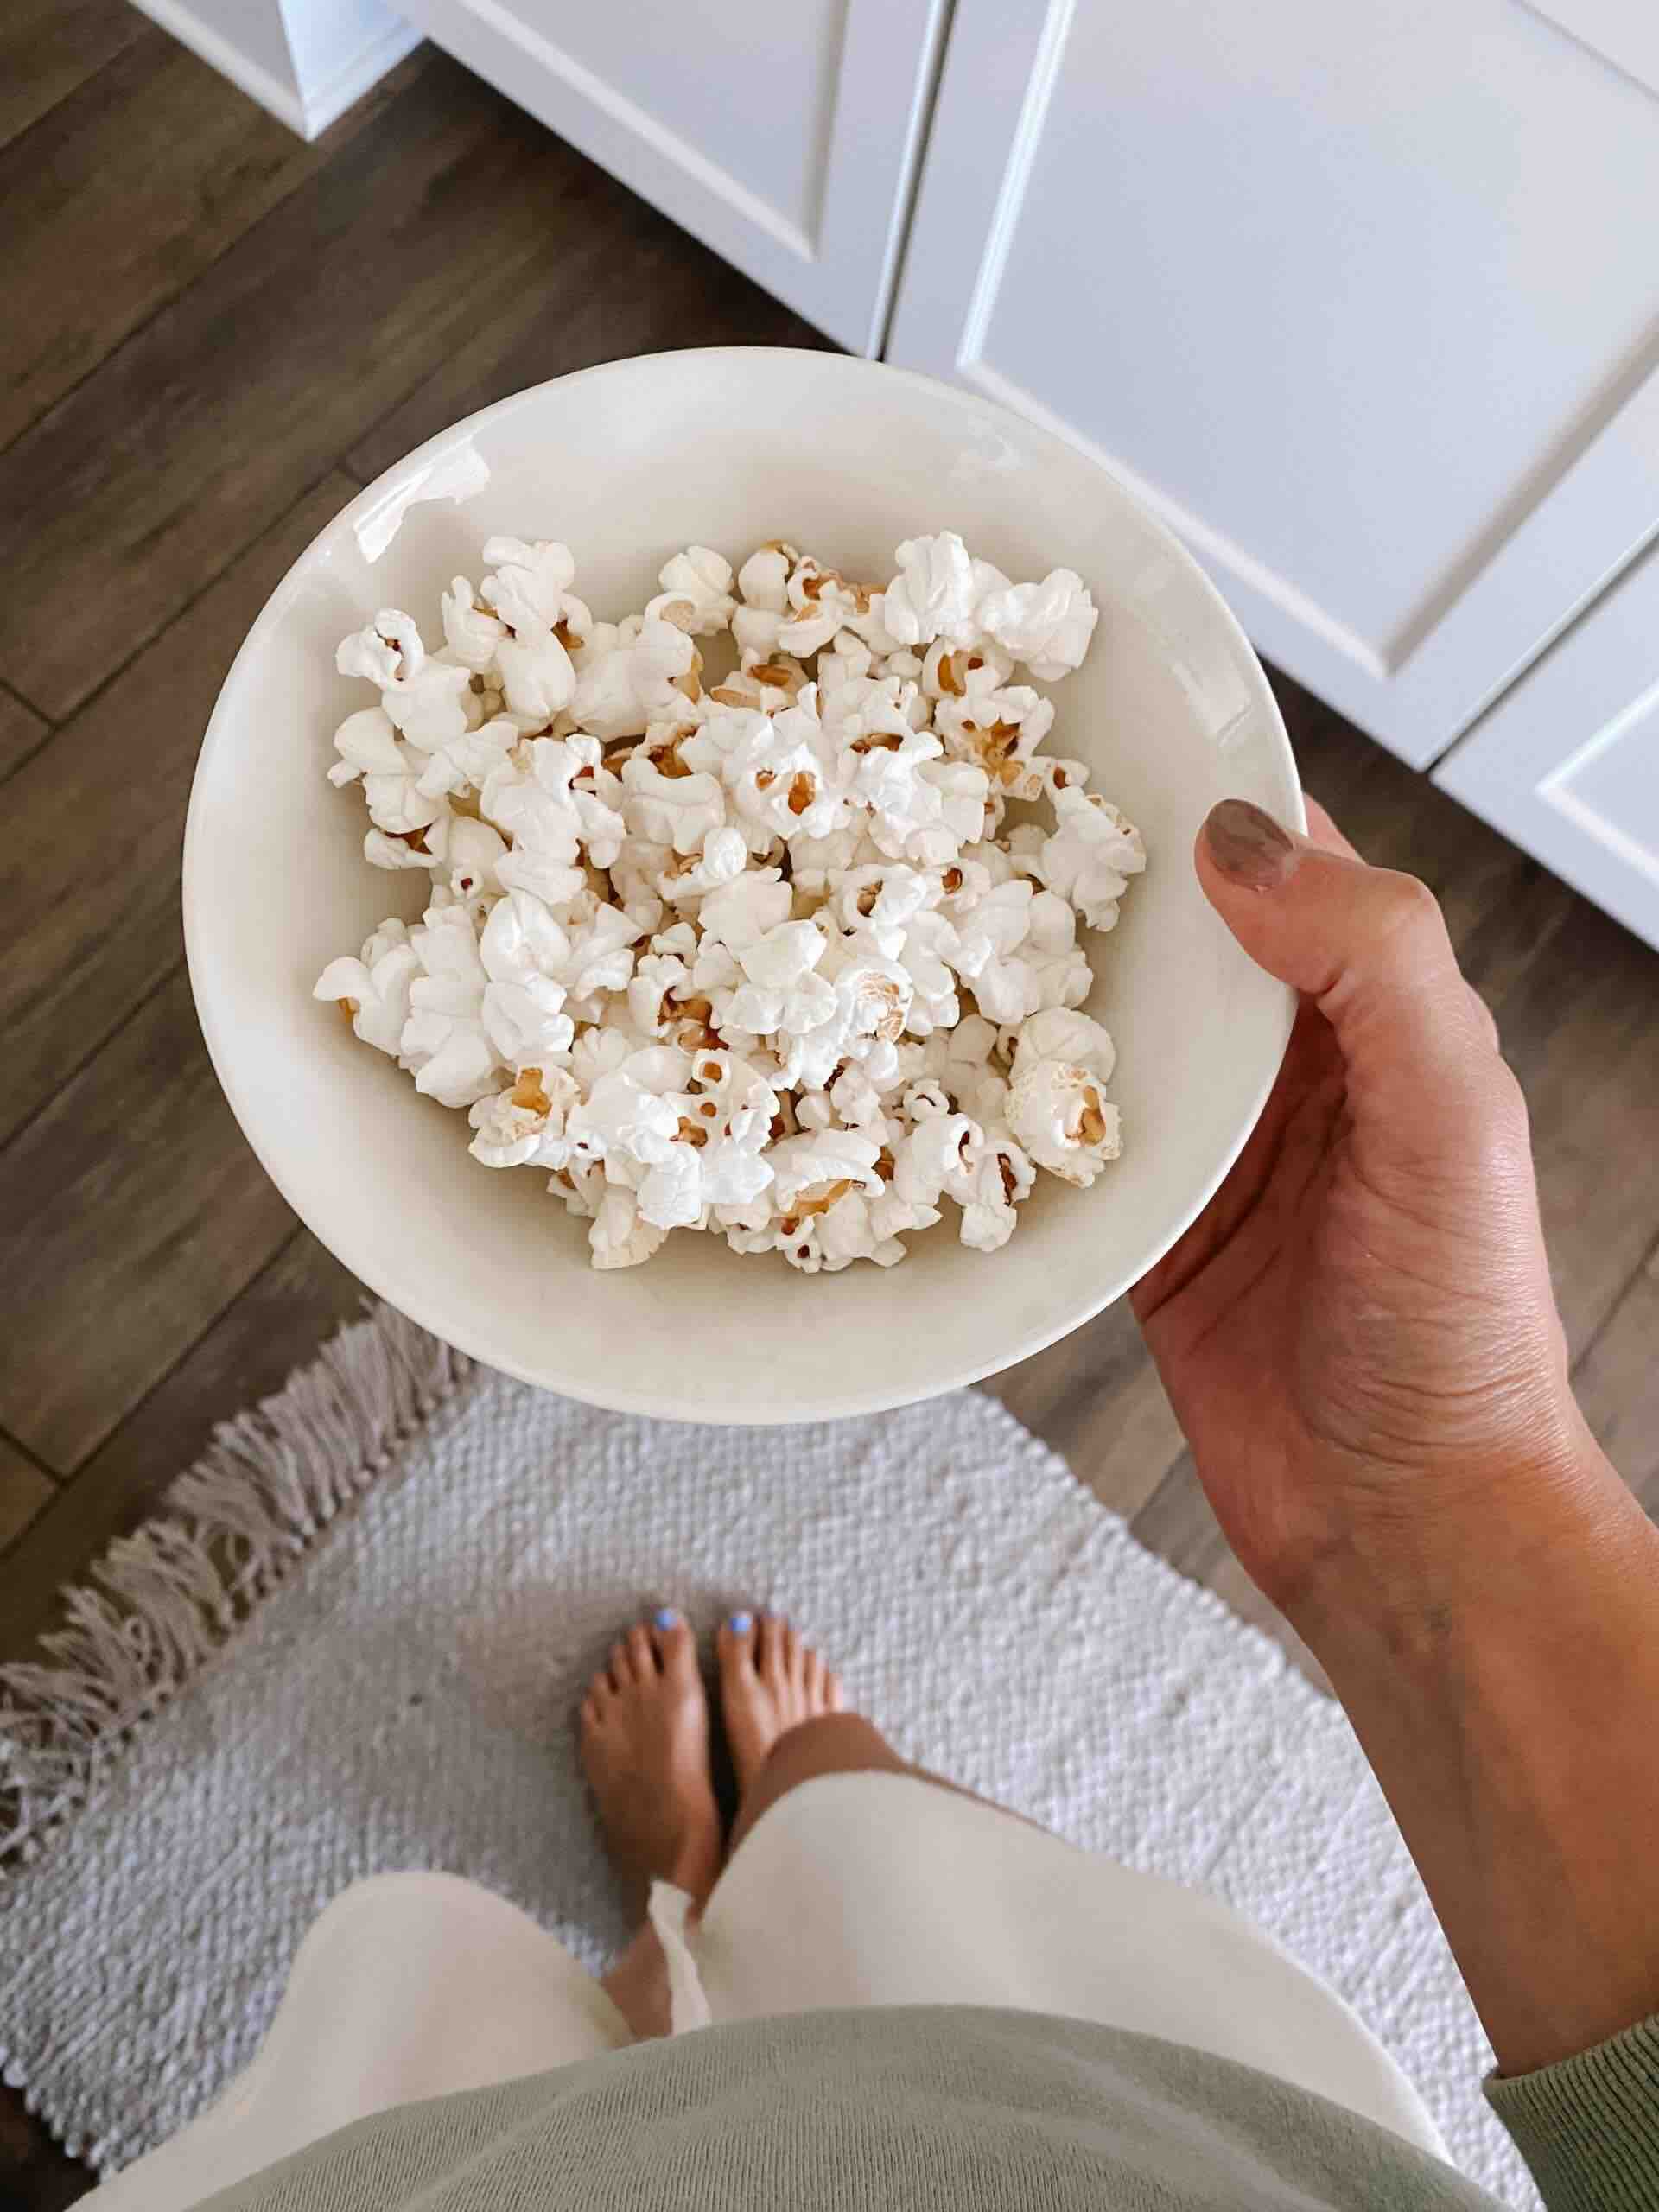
216, 336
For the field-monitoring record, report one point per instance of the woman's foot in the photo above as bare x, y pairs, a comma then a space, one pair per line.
644, 1731
770, 1683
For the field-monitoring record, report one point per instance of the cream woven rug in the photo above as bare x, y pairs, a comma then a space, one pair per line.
354, 1640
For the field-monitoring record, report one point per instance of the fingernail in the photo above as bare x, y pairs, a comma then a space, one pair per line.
741, 1623
1247, 845
667, 1618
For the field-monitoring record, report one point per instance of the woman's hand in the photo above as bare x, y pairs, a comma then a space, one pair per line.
1359, 1339
1357, 1334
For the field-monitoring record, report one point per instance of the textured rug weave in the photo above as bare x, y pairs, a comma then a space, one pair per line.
355, 1640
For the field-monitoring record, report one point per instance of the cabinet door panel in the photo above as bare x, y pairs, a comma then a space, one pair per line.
785, 138
1567, 763
1363, 299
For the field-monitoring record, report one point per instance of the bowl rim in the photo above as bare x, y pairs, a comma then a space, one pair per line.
410, 1298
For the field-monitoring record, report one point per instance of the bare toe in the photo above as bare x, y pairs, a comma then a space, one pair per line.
644, 1735
771, 1681
676, 1649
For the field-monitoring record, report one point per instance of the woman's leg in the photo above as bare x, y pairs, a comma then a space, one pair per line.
785, 1720
644, 1731
644, 1747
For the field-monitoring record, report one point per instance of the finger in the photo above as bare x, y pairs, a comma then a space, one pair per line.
1368, 945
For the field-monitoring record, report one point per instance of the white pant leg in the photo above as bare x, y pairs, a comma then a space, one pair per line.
407, 1985
882, 1889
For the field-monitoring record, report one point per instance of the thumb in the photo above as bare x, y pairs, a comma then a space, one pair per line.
1368, 945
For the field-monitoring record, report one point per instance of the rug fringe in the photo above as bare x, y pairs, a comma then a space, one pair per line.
164, 1600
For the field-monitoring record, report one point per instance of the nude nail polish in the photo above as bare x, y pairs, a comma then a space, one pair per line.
1247, 845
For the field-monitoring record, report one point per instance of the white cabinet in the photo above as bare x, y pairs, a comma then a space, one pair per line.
785, 137
1362, 299
1568, 762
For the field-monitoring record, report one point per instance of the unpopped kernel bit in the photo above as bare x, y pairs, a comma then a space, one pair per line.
753, 948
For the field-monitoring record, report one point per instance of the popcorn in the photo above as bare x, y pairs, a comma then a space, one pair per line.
675, 811
854, 1227
622, 685
412, 848
867, 713
999, 1180
1091, 855
444, 1040
387, 650
1047, 626
533, 799
740, 912
370, 747
1059, 1114
537, 677
1061, 1034
955, 672
763, 584
820, 601
758, 962
999, 731
936, 1157
530, 588
631, 1117
526, 954
765, 682
774, 770
723, 860
780, 993
696, 592
620, 1237
372, 992
718, 1160
524, 1127
426, 700
466, 761
657, 979
934, 593
600, 1052
814, 862
471, 631
991, 930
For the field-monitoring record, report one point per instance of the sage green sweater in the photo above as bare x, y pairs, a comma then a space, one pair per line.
953, 2110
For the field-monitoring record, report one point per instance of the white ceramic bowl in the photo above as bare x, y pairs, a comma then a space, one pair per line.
629, 463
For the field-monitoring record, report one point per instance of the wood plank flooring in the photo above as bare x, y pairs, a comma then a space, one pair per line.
226, 332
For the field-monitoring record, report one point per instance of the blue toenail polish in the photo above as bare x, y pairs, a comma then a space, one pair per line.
667, 1618
741, 1623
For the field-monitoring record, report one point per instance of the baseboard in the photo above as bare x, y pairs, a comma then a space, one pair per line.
327, 103
308, 112
210, 46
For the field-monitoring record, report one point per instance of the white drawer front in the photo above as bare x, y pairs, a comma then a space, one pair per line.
1568, 763
1362, 299
786, 139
